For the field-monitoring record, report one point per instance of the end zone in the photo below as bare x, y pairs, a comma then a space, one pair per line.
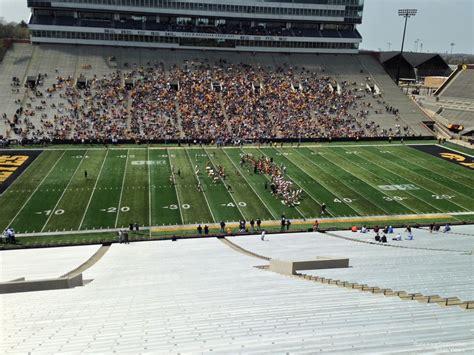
13, 163
450, 155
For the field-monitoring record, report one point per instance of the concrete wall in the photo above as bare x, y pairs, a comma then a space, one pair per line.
289, 267
41, 285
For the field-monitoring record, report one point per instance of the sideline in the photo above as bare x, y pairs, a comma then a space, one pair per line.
186, 227
185, 146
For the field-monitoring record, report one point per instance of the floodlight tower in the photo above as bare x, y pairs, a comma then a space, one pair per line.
452, 44
407, 13
416, 44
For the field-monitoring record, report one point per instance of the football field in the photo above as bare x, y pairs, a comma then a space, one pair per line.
132, 185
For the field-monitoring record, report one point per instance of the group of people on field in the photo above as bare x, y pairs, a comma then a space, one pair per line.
280, 185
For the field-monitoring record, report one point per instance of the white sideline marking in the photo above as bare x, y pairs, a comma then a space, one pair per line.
64, 191
37, 187
454, 150
93, 190
351, 218
315, 145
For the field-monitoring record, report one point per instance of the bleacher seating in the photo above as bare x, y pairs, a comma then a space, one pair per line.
465, 118
461, 86
352, 72
202, 296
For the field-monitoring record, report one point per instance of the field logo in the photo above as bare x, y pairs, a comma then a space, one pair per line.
404, 187
446, 154
452, 156
456, 157
149, 162
13, 163
9, 164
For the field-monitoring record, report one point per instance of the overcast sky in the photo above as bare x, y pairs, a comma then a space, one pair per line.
438, 23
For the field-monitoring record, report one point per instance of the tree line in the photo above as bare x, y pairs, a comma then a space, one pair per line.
13, 29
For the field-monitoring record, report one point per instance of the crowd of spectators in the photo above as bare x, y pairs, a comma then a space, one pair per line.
197, 101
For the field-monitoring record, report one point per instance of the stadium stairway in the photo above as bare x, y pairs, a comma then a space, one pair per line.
242, 250
89, 262
224, 112
179, 120
14, 64
409, 112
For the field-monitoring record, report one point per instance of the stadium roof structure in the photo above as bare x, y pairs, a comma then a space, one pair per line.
414, 65
200, 295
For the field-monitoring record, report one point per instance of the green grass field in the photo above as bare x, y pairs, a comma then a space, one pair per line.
131, 184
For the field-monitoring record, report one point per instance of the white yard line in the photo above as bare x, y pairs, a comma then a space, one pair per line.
370, 184
202, 190
378, 204
175, 188
435, 172
36, 189
223, 182
433, 182
241, 174
149, 186
64, 192
93, 190
295, 183
121, 191
320, 182
406, 178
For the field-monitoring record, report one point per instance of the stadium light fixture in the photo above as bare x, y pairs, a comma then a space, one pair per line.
407, 13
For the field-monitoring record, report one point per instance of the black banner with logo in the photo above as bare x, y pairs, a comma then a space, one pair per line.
13, 163
447, 154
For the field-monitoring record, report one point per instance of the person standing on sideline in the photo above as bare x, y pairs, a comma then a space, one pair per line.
252, 225
199, 229
323, 209
288, 224
206, 230
283, 223
222, 224
315, 225
85, 174
259, 223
